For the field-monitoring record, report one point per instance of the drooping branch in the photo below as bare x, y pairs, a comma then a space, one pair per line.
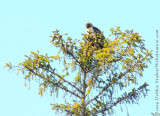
70, 53
127, 98
70, 92
64, 80
106, 87
64, 108
74, 58
63, 88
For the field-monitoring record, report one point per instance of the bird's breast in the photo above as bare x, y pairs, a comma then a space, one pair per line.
90, 30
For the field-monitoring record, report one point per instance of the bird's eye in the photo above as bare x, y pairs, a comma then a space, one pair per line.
88, 26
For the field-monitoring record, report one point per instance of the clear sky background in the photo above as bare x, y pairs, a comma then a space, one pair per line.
25, 25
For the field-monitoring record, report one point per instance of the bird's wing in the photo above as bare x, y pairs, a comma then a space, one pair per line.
96, 30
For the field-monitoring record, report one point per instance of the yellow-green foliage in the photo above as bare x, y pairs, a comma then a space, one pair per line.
120, 62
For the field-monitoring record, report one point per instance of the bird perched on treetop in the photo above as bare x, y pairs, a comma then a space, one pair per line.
94, 30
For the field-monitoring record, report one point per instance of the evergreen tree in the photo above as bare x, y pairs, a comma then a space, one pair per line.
102, 67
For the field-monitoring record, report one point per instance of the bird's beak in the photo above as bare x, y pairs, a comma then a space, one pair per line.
87, 26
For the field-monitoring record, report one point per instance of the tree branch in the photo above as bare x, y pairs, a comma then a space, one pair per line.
64, 80
72, 56
134, 94
105, 88
70, 92
83, 95
53, 83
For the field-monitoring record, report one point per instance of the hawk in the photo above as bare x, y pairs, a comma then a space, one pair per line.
92, 29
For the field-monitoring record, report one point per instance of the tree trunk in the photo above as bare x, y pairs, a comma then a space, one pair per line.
83, 95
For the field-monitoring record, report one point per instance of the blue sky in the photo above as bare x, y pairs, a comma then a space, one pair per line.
25, 25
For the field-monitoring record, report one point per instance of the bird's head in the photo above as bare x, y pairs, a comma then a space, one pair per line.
88, 25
